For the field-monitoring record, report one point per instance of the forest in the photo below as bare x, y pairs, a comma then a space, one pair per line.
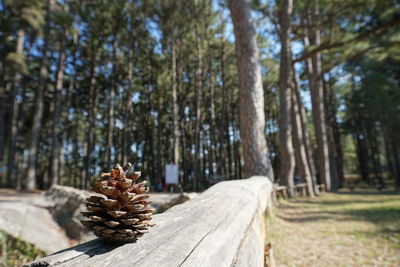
87, 84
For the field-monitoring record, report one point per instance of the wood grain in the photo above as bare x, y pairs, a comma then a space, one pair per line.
223, 226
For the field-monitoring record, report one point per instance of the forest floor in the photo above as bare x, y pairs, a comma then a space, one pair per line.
337, 229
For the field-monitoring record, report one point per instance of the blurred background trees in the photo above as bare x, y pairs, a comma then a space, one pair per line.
86, 84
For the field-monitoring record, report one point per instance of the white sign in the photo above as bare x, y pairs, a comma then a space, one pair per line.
171, 174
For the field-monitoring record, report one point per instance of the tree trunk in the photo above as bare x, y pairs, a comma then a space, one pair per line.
363, 158
317, 100
91, 121
395, 145
335, 147
306, 137
38, 112
221, 166
251, 94
110, 127
299, 143
301, 155
12, 134
330, 113
3, 104
175, 108
199, 77
55, 150
371, 137
228, 127
158, 136
39, 106
238, 165
110, 109
391, 157
212, 117
3, 108
339, 151
13, 123
285, 102
128, 124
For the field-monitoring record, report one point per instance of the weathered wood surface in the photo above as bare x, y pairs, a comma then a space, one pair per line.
301, 189
280, 191
322, 187
223, 226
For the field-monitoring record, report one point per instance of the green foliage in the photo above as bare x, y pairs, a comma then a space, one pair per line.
349, 155
17, 62
124, 48
15, 252
372, 111
376, 96
30, 12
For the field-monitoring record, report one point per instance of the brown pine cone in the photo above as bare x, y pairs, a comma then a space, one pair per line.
121, 213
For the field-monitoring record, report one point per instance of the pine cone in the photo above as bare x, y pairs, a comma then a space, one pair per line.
121, 213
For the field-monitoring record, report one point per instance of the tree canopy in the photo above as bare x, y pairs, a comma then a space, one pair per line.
87, 84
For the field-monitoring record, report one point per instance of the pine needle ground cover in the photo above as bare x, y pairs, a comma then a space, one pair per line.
344, 229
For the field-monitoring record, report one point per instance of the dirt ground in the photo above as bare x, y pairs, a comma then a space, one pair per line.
342, 229
12, 195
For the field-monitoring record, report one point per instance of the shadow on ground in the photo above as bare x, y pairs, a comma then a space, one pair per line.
377, 211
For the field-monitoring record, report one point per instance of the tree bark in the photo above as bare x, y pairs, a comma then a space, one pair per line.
306, 137
175, 108
3, 108
287, 160
111, 108
12, 134
55, 150
371, 138
71, 167
317, 100
12, 88
199, 77
300, 148
363, 158
3, 103
392, 157
37, 118
221, 166
251, 94
90, 139
128, 123
30, 183
212, 116
339, 152
333, 135
395, 145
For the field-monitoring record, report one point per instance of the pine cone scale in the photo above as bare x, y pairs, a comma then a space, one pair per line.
121, 213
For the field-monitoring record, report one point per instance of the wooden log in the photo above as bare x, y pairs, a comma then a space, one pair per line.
223, 226
294, 190
274, 197
282, 191
322, 187
302, 189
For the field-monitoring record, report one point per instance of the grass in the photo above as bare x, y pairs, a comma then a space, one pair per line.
337, 229
16, 252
